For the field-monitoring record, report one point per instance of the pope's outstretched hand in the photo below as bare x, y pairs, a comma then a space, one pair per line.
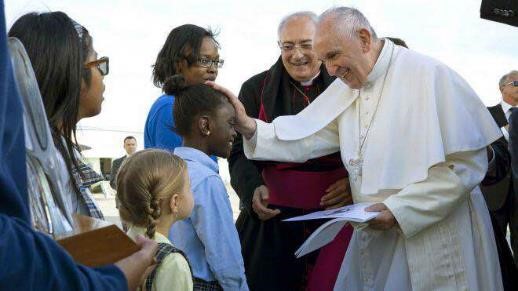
244, 124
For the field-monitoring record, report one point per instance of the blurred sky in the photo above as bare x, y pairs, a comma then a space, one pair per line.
132, 32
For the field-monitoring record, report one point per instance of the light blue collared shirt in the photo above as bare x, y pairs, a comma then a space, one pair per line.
208, 237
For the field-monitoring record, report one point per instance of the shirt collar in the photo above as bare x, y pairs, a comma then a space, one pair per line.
505, 106
192, 154
134, 230
310, 81
381, 65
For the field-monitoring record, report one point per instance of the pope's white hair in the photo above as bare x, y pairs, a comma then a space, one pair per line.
348, 20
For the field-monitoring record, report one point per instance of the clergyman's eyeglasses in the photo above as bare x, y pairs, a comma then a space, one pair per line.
289, 47
512, 83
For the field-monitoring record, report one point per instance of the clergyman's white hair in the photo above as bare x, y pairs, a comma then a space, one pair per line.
351, 20
311, 15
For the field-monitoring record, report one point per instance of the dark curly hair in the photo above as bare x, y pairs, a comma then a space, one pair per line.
191, 101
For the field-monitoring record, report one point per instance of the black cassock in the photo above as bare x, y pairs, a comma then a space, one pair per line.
268, 247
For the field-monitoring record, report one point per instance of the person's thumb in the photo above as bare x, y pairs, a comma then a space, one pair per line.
142, 240
265, 195
378, 207
147, 246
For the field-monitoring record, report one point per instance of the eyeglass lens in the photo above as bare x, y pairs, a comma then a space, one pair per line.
103, 65
207, 63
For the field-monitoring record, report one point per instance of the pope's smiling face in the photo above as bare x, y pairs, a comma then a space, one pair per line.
345, 57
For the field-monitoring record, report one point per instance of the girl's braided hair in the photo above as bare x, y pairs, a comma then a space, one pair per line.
144, 180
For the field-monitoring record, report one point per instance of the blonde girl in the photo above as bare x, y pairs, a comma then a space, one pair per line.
154, 192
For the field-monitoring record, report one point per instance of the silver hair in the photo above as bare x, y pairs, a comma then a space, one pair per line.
504, 78
311, 15
351, 20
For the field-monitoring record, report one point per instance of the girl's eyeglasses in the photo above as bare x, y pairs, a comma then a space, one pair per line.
102, 64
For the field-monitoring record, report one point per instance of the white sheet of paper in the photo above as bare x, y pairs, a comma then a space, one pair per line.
354, 212
325, 234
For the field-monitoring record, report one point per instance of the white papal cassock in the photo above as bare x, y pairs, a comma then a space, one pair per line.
424, 133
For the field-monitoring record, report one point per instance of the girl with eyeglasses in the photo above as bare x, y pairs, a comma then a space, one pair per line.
191, 51
70, 78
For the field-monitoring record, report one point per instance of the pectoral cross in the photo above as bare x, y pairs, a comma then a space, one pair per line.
355, 166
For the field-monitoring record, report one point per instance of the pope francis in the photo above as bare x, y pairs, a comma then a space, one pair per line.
413, 136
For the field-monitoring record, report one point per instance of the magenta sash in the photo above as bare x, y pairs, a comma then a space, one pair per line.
322, 277
298, 189
291, 187
303, 190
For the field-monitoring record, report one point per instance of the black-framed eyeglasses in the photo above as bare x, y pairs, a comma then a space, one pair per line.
207, 63
512, 83
289, 47
102, 64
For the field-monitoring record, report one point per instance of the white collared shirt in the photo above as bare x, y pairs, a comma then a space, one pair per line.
310, 81
506, 107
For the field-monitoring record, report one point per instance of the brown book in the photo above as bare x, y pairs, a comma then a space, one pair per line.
96, 243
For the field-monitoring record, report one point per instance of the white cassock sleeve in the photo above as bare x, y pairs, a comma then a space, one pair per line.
265, 145
449, 183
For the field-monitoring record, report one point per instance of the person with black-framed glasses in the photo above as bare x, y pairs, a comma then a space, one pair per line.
193, 52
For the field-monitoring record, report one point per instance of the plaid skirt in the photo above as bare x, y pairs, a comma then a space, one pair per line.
202, 285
